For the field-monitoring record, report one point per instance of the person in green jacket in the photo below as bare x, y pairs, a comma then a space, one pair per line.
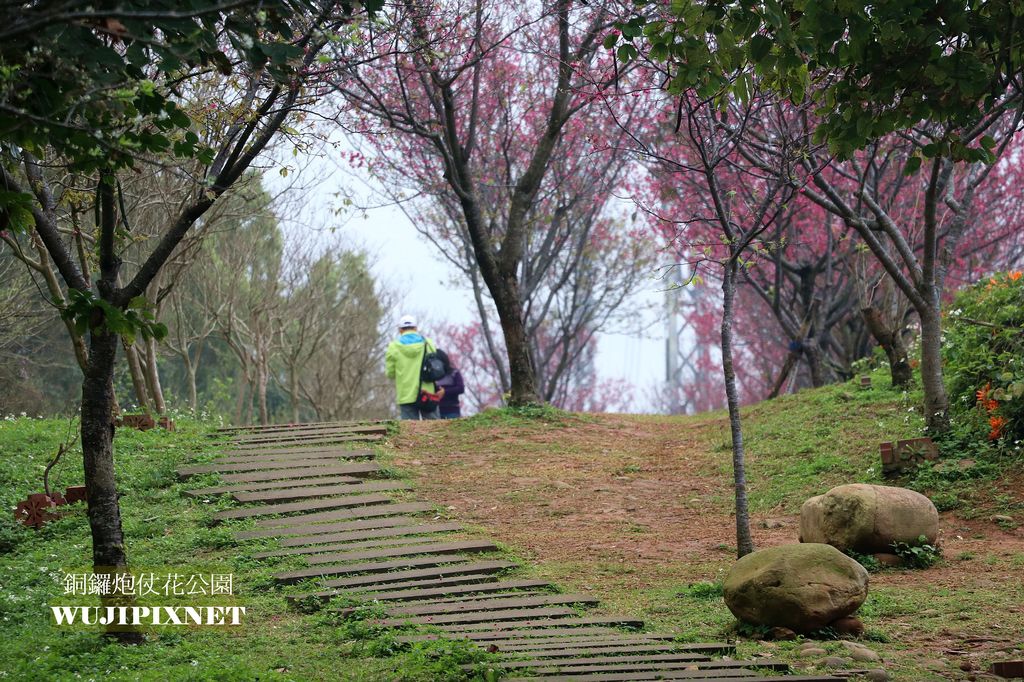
403, 363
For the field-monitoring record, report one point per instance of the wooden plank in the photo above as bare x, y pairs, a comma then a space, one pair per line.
353, 469
619, 640
271, 485
253, 428
613, 664
544, 623
367, 567
602, 648
319, 491
340, 514
304, 450
492, 604
429, 592
325, 438
357, 591
268, 444
483, 617
338, 540
305, 505
735, 673
740, 674
328, 428
487, 596
231, 458
253, 466
362, 524
311, 428
436, 547
485, 637
475, 568
387, 542
610, 658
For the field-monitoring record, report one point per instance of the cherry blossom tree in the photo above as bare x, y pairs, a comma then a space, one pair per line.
495, 131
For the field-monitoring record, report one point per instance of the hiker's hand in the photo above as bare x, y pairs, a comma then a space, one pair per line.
440, 392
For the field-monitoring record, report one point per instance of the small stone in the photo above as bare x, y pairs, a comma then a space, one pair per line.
772, 523
876, 676
781, 634
966, 666
965, 464
1001, 518
865, 655
811, 652
563, 485
835, 662
850, 626
887, 559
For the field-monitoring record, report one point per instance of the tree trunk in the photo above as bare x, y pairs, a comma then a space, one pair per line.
815, 361
108, 550
293, 382
744, 543
190, 375
520, 367
153, 377
261, 387
138, 378
936, 402
891, 341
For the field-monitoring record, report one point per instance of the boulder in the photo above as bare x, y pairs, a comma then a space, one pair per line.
868, 518
801, 587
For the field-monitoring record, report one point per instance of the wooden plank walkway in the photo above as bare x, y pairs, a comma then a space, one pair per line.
330, 508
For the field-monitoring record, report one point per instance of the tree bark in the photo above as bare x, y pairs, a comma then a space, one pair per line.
108, 550
891, 341
153, 377
744, 543
293, 390
936, 401
520, 366
138, 378
261, 387
190, 374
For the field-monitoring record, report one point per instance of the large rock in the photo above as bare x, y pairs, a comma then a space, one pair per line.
868, 518
801, 587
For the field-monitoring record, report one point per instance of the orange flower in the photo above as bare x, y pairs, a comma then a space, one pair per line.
982, 393
997, 423
1015, 275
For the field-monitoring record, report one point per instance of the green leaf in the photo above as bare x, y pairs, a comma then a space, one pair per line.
913, 164
760, 46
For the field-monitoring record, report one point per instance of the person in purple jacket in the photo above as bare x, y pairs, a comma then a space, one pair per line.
452, 385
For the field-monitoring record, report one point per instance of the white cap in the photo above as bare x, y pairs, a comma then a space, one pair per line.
407, 322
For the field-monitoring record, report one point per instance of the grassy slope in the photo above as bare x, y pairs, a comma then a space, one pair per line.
166, 532
797, 446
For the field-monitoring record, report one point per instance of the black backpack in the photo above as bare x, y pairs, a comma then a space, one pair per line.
433, 367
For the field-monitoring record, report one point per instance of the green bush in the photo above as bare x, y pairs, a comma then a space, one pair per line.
984, 357
918, 554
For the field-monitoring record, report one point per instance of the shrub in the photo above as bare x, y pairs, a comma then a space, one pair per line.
919, 554
984, 356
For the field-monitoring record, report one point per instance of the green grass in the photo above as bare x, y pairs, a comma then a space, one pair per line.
167, 532
529, 417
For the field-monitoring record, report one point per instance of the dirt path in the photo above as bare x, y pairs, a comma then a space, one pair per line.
642, 504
